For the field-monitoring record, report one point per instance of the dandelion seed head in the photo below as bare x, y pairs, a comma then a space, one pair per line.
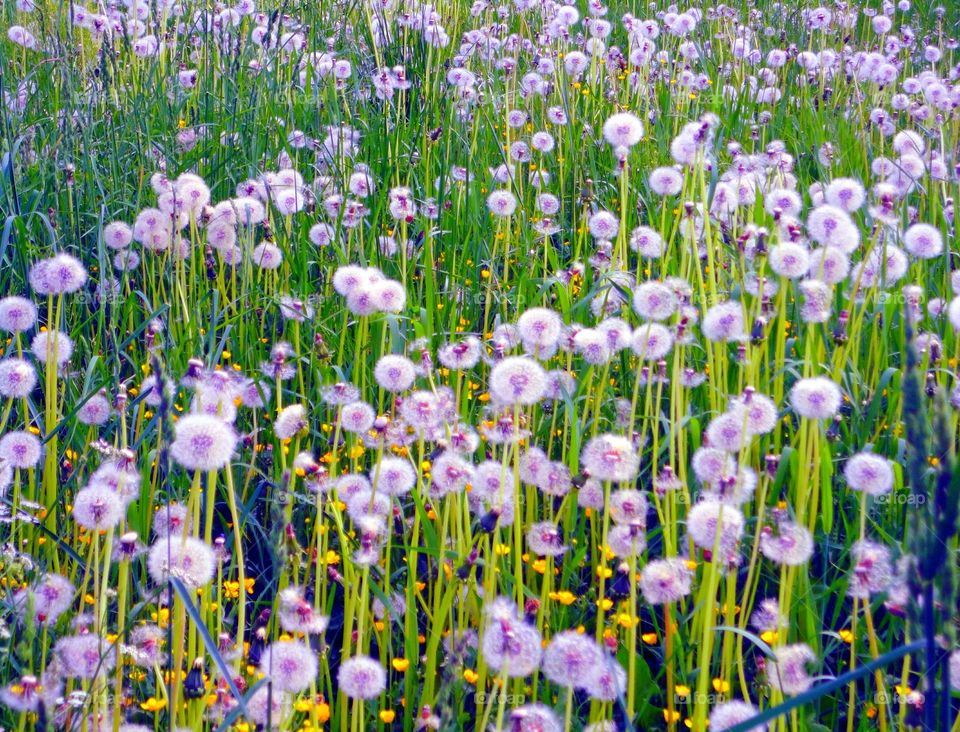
603, 225
395, 373
923, 241
59, 275
291, 665
607, 681
85, 656
190, 560
652, 341
20, 449
52, 345
611, 458
203, 442
654, 301
729, 714
517, 380
361, 677
450, 473
291, 421
871, 570
815, 398
97, 508
95, 411
393, 476
539, 329
622, 130
502, 203
508, 644
787, 672
389, 296
790, 260
846, 194
759, 410
267, 256
545, 539
268, 706
570, 658
350, 485
534, 717
666, 181
789, 544
462, 355
17, 314
872, 474
627, 540
629, 506
711, 521
52, 596
724, 322
829, 264
728, 431
368, 503
17, 378
299, 616
665, 580
171, 520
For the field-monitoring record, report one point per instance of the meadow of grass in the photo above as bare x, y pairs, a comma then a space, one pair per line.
521, 365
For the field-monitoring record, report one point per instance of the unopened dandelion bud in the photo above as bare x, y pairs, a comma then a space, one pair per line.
225, 643
194, 370
586, 193
488, 522
220, 548
761, 245
530, 610
257, 646
771, 463
914, 704
290, 536
840, 332
129, 545
120, 401
193, 686
262, 619
619, 587
833, 431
